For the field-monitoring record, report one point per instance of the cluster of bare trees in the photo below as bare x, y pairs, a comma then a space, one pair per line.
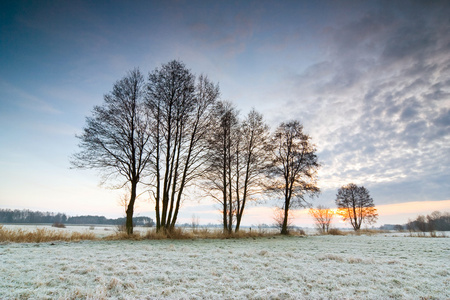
322, 217
354, 205
180, 107
171, 131
436, 221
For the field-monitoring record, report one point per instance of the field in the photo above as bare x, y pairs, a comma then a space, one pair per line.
382, 266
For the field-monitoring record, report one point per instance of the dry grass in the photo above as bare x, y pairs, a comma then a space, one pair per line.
183, 234
370, 231
41, 235
335, 231
58, 225
432, 234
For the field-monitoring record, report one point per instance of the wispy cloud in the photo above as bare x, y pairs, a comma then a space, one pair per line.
18, 97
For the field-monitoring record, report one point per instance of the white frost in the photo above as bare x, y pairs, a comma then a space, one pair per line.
315, 267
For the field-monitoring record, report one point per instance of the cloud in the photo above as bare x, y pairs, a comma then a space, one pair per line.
377, 103
17, 96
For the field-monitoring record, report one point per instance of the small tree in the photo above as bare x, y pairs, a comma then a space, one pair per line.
116, 138
293, 173
355, 205
421, 224
398, 227
322, 216
410, 226
278, 218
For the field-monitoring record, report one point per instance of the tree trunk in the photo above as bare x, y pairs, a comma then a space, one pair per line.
130, 209
238, 220
224, 180
355, 217
183, 179
240, 211
158, 176
284, 229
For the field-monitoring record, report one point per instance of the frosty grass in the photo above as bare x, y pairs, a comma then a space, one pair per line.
313, 267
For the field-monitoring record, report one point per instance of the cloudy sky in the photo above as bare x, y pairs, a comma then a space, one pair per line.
369, 80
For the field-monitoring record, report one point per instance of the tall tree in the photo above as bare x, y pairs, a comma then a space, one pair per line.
294, 168
181, 105
116, 138
252, 159
222, 144
237, 160
322, 217
355, 205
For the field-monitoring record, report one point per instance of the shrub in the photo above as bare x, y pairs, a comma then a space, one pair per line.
122, 227
335, 231
58, 225
298, 232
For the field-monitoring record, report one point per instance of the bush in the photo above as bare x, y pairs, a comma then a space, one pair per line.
299, 232
58, 225
335, 231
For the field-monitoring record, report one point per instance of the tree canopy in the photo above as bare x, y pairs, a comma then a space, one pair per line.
293, 172
116, 138
355, 205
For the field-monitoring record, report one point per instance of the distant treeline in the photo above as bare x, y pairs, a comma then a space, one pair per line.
35, 217
435, 221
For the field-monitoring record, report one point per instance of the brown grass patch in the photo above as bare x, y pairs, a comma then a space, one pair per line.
335, 231
41, 235
58, 225
183, 234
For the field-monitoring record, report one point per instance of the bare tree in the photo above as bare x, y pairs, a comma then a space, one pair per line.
181, 105
238, 157
410, 226
322, 217
355, 205
294, 168
398, 227
252, 160
116, 138
278, 217
436, 221
222, 144
421, 224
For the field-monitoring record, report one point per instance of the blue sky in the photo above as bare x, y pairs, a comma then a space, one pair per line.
370, 81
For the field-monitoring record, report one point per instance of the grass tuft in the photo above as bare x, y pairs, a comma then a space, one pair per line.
41, 235
203, 233
335, 231
58, 225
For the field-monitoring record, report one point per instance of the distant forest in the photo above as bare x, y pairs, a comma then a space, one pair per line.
36, 217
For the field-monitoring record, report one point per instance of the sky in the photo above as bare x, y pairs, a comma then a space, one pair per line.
369, 81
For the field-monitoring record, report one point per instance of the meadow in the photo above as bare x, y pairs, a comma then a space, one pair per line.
376, 266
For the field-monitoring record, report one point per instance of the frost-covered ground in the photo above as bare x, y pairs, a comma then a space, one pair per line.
314, 267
